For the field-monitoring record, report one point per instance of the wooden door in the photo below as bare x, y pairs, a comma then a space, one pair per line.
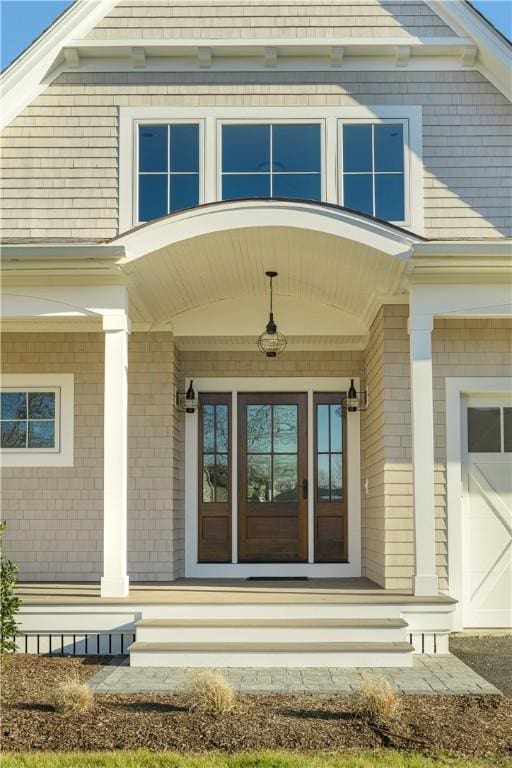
272, 478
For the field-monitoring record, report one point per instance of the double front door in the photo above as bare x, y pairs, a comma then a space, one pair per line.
280, 494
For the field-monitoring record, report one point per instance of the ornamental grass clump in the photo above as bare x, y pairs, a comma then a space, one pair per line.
210, 692
376, 701
71, 697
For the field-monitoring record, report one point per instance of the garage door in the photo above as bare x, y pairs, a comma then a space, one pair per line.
487, 481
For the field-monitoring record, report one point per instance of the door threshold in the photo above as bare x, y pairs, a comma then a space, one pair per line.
277, 578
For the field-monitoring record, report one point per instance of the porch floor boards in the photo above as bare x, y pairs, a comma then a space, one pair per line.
225, 591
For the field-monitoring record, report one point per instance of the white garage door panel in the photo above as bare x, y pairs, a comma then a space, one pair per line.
488, 534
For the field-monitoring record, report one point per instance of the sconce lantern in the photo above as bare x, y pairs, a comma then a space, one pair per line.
187, 401
271, 342
353, 401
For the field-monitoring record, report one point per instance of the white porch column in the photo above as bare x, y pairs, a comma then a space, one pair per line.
114, 582
422, 412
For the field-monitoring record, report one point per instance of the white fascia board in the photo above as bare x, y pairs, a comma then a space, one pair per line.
494, 59
31, 73
460, 261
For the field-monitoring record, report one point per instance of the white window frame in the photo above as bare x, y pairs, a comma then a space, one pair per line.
211, 118
407, 181
281, 121
234, 569
162, 121
62, 454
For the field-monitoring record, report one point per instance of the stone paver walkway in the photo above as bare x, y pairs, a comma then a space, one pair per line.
429, 674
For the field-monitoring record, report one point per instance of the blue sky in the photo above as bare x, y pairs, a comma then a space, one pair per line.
21, 21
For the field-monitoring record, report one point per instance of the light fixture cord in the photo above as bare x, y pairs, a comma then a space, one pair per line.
271, 293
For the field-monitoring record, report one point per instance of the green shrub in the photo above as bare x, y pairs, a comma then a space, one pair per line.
8, 601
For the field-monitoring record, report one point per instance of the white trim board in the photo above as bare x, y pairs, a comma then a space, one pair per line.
456, 389
193, 568
210, 119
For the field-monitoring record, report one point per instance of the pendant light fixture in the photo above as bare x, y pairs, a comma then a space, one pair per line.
271, 343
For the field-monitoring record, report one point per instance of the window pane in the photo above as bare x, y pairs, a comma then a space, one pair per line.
246, 148
296, 148
14, 405
484, 434
185, 148
285, 478
153, 148
302, 186
152, 197
221, 478
323, 477
184, 192
336, 476
389, 197
41, 434
357, 148
507, 429
13, 434
358, 193
336, 427
237, 186
389, 147
259, 425
208, 477
222, 426
322, 426
258, 478
285, 428
41, 405
208, 428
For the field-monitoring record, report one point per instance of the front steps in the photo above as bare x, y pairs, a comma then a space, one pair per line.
257, 641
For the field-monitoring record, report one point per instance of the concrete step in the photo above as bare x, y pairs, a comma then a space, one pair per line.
291, 630
270, 654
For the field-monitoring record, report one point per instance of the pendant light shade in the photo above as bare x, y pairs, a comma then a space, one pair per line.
271, 342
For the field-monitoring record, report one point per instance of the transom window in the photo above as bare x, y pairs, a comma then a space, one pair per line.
28, 419
490, 429
168, 169
374, 169
271, 160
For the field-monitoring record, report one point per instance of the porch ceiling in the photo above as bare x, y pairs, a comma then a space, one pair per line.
214, 285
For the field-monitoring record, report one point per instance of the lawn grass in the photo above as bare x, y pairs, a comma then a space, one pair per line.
143, 759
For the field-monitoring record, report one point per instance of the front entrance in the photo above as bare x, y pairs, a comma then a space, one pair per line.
272, 478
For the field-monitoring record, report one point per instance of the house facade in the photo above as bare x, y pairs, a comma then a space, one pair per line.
159, 159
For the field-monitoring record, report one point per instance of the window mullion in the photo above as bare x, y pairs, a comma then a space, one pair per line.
168, 168
271, 168
373, 170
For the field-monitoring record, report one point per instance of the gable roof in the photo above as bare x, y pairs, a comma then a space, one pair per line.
57, 49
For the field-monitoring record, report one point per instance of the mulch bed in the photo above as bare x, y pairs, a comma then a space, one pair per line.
475, 726
489, 655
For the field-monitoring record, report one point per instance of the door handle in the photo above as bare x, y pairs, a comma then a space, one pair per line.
305, 488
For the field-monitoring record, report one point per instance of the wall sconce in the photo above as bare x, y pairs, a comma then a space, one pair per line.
187, 401
354, 401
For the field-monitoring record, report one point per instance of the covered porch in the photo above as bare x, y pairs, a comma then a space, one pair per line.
198, 277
